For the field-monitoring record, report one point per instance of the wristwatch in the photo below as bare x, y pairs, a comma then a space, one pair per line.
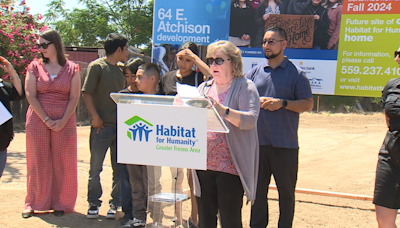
284, 103
226, 112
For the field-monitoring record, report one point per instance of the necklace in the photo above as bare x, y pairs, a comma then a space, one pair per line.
314, 9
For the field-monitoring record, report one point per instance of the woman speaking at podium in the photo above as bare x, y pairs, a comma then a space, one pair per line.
232, 159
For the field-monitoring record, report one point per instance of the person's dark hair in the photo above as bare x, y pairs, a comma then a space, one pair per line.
113, 42
167, 50
278, 2
150, 69
133, 64
329, 4
281, 32
190, 45
54, 37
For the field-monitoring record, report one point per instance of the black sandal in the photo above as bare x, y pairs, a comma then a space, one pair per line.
26, 215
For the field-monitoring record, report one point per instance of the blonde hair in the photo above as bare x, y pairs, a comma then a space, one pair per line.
233, 53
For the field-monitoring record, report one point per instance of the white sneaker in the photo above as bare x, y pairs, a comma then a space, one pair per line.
111, 212
130, 223
93, 211
135, 223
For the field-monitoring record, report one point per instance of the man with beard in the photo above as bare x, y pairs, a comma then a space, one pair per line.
284, 93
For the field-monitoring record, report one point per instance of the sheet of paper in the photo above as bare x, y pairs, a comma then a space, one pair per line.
4, 114
187, 90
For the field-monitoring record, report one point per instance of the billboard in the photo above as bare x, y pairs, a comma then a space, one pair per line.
200, 21
344, 48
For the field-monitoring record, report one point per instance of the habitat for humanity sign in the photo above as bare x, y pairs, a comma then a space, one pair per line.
162, 135
200, 21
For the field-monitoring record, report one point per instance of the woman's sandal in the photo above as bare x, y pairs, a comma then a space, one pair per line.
27, 214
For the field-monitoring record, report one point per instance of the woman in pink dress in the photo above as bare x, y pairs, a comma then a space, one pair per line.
52, 88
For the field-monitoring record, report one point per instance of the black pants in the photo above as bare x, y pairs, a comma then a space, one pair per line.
145, 181
221, 192
126, 191
283, 164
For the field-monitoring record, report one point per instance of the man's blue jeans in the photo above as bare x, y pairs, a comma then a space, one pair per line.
99, 144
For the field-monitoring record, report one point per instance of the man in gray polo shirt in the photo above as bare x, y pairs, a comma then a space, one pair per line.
284, 93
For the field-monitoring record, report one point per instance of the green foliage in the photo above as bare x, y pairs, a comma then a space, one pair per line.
333, 102
376, 100
89, 26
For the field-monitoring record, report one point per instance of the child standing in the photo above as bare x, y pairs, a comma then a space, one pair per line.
130, 68
145, 180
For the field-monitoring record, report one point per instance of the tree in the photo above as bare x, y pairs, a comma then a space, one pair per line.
136, 23
89, 26
81, 27
18, 39
18, 34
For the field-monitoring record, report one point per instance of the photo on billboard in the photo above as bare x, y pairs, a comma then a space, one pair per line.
312, 36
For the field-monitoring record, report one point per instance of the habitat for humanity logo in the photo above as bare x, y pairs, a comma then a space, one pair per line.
316, 83
138, 127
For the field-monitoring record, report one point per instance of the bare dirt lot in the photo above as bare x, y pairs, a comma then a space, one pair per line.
338, 153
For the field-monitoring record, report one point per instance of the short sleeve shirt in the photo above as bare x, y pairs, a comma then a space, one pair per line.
102, 79
287, 81
7, 93
167, 85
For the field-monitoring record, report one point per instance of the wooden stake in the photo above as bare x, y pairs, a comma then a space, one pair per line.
330, 194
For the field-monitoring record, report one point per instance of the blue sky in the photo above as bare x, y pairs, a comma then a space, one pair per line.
39, 6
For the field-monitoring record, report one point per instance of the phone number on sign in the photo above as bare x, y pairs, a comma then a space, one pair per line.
370, 70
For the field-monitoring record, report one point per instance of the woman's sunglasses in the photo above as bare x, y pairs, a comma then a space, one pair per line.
396, 53
218, 61
44, 45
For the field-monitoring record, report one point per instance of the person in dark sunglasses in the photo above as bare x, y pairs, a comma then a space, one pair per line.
52, 90
44, 45
231, 158
284, 93
387, 189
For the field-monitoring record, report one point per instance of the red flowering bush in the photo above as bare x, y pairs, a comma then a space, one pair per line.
18, 34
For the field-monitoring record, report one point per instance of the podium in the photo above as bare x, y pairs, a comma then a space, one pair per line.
165, 135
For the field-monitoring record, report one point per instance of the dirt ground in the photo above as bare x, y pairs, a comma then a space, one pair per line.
338, 153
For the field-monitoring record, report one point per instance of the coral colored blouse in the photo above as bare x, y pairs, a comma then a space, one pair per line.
219, 156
